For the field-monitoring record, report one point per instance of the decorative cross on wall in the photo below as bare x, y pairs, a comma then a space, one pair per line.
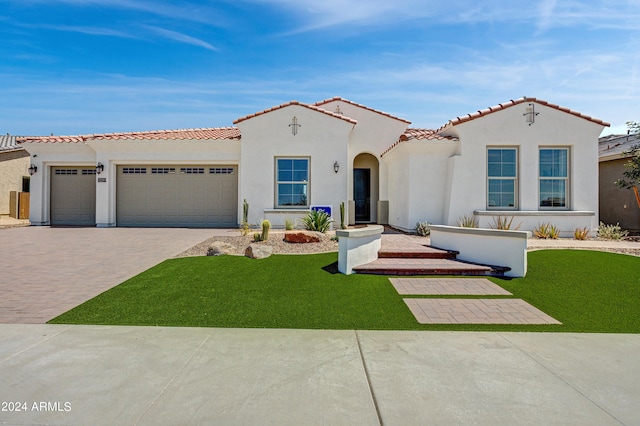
294, 125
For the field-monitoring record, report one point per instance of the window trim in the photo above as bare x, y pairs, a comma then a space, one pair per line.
566, 179
277, 182
515, 179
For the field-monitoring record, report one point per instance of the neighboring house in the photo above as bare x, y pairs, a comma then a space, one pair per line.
617, 205
526, 158
14, 165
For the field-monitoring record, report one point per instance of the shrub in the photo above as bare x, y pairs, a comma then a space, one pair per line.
541, 230
266, 226
422, 228
504, 223
581, 233
244, 229
289, 224
468, 221
317, 220
546, 230
611, 232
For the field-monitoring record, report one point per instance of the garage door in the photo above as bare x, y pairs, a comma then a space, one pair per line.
73, 196
202, 196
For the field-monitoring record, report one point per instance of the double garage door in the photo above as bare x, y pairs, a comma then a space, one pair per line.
199, 196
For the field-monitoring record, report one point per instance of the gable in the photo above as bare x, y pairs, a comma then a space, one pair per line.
507, 105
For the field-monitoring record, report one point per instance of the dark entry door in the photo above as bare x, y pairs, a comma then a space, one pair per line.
362, 194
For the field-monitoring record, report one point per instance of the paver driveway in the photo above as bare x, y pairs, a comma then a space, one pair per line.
46, 271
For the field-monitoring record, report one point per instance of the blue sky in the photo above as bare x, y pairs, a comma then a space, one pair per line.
95, 66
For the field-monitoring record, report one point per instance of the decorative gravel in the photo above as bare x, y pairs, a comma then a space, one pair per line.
276, 240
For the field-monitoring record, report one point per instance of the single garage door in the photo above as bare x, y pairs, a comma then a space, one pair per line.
201, 196
73, 196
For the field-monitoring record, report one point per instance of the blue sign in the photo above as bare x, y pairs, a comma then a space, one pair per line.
326, 209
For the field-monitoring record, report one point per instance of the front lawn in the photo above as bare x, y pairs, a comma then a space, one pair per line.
585, 290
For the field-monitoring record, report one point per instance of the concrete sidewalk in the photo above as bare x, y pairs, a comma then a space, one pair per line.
78, 375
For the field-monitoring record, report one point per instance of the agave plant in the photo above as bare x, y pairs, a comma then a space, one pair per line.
317, 220
468, 221
504, 223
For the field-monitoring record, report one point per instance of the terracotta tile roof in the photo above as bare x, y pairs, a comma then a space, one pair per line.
338, 98
311, 107
418, 135
180, 134
52, 139
214, 133
499, 107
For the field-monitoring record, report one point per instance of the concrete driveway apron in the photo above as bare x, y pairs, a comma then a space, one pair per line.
46, 271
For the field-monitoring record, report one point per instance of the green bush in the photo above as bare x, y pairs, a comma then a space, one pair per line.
317, 220
289, 224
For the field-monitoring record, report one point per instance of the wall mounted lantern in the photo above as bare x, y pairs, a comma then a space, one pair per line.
99, 168
32, 169
336, 167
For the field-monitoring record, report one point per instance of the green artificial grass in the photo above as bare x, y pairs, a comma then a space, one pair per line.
587, 291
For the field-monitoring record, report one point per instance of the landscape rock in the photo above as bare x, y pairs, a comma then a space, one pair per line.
303, 237
219, 248
258, 251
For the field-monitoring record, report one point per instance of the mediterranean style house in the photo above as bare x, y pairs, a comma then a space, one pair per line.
526, 158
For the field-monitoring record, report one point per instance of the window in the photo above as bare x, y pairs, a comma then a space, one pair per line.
502, 176
292, 182
554, 177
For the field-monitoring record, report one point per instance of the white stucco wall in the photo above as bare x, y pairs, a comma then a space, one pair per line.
508, 128
321, 138
418, 182
44, 156
373, 134
114, 153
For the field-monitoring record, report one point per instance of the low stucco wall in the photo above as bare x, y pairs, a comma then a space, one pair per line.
358, 246
486, 246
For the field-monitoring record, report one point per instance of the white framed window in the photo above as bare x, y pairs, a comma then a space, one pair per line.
292, 182
502, 178
554, 178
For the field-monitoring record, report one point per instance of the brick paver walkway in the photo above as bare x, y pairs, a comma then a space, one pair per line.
476, 311
449, 286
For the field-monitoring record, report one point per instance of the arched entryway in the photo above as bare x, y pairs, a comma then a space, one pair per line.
366, 190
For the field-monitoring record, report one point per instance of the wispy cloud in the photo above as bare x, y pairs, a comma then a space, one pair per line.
547, 14
179, 37
89, 30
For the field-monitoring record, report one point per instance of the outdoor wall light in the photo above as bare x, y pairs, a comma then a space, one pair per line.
32, 169
336, 167
99, 168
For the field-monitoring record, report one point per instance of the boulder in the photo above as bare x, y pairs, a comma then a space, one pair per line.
302, 237
219, 248
258, 251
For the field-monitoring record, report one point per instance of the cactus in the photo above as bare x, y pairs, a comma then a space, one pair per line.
266, 225
342, 226
245, 211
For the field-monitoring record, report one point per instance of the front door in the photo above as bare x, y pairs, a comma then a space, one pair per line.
362, 194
